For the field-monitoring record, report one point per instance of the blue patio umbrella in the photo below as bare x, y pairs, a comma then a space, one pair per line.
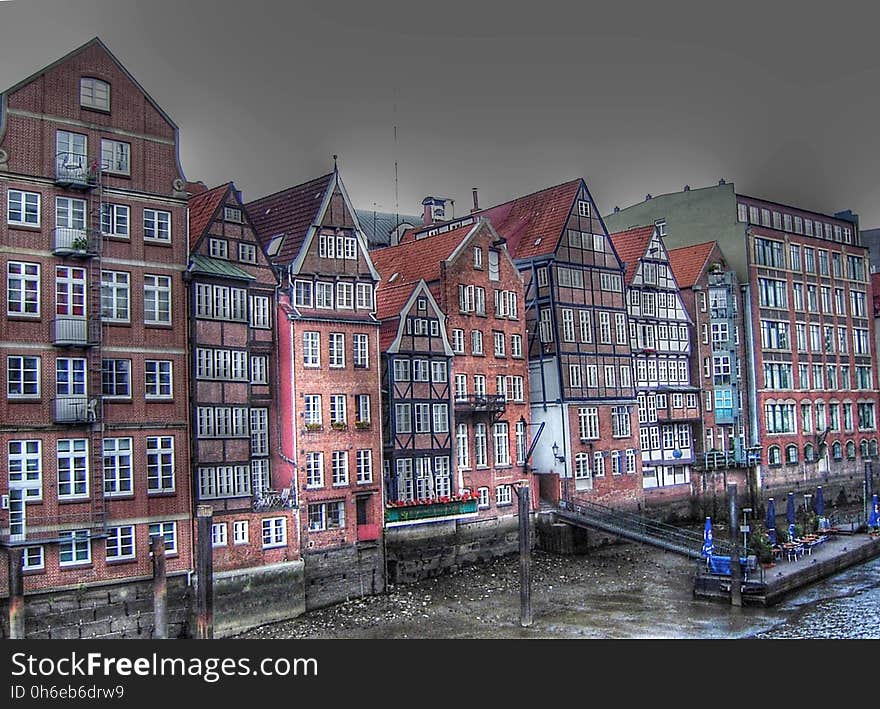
819, 504
874, 517
771, 521
708, 545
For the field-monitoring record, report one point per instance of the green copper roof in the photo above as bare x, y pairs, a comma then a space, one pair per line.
217, 267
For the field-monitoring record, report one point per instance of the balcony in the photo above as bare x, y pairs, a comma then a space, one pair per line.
73, 332
729, 459
481, 403
429, 511
73, 171
265, 500
75, 409
73, 242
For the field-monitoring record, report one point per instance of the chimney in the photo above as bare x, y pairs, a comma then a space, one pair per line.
434, 210
476, 201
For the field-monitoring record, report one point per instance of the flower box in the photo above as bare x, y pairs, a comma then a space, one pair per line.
429, 510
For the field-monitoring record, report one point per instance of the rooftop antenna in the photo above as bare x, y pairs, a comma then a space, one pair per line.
396, 182
335, 168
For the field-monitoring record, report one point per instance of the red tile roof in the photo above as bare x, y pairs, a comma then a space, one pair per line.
631, 246
532, 224
290, 212
202, 207
411, 261
688, 262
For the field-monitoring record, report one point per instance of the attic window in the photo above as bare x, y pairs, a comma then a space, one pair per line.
94, 93
583, 208
538, 241
230, 214
274, 245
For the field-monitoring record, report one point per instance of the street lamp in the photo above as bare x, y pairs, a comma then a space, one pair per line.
807, 498
745, 529
555, 448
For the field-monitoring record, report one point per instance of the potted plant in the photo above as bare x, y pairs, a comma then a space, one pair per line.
338, 426
313, 427
80, 243
361, 425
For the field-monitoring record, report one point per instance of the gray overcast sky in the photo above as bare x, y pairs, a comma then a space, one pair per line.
779, 97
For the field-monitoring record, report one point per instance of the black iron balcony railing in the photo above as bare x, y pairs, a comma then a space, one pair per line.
75, 409
477, 403
75, 171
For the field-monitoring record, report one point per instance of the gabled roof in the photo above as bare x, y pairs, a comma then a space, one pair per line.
408, 263
202, 208
290, 213
688, 262
631, 246
532, 224
217, 267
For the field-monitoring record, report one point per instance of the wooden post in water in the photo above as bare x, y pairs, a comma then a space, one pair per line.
160, 589
525, 572
735, 569
205, 619
16, 593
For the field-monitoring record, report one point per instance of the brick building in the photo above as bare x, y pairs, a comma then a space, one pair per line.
94, 432
580, 363
232, 345
811, 372
478, 292
329, 364
711, 294
660, 336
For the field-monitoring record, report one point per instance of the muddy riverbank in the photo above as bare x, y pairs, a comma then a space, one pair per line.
619, 591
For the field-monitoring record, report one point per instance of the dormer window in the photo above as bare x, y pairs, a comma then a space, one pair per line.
94, 93
230, 214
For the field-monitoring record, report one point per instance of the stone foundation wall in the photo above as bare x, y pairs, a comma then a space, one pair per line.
105, 611
424, 551
337, 575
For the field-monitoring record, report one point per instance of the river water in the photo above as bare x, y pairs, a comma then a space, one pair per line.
621, 591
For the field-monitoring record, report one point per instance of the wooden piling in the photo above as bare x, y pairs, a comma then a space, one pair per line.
16, 593
735, 568
160, 589
205, 561
525, 571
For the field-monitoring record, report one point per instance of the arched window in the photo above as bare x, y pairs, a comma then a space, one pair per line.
863, 449
850, 450
774, 455
809, 456
791, 454
872, 448
837, 450
94, 93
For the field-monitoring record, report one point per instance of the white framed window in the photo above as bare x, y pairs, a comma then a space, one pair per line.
302, 294
274, 532
115, 220
22, 377
168, 531
218, 248
34, 558
324, 295
481, 454
158, 379
94, 93
476, 342
345, 296
25, 463
483, 501
75, 548
339, 467
403, 418
115, 157
311, 349
588, 422
157, 299
232, 214
118, 479
364, 466
583, 208
247, 253
115, 296
240, 532
458, 341
501, 441
23, 208
260, 314
365, 300
503, 495
160, 464
73, 468
259, 431
499, 342
157, 225
314, 469
259, 366
337, 350
23, 289
219, 534
361, 350
461, 446
120, 543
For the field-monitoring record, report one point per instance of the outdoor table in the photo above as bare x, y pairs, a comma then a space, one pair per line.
793, 550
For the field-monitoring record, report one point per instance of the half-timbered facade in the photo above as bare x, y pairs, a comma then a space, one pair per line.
660, 337
329, 362
232, 385
479, 291
93, 421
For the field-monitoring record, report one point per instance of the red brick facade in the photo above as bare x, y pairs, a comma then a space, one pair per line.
136, 410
